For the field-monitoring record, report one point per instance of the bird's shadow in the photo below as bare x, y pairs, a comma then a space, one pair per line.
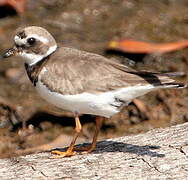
114, 146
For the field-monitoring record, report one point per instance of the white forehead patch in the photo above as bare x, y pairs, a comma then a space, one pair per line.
20, 41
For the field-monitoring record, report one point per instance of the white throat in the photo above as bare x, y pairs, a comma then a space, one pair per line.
31, 58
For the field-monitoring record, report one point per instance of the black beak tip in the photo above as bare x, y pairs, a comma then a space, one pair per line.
3, 56
8, 53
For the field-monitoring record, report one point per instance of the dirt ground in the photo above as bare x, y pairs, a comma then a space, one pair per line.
30, 124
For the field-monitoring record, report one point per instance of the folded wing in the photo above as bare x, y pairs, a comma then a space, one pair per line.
70, 71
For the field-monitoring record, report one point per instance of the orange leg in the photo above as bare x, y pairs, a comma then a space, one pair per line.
70, 151
92, 147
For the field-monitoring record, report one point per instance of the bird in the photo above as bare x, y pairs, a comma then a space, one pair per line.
81, 82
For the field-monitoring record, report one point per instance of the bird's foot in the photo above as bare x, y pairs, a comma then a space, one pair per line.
60, 154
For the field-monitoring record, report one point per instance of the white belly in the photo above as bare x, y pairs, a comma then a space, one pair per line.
85, 103
103, 104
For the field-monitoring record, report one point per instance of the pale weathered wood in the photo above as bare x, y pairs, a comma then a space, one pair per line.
158, 154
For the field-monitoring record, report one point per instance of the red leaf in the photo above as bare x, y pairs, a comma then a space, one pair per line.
131, 46
18, 5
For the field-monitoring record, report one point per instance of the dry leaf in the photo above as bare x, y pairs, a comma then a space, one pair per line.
18, 5
131, 46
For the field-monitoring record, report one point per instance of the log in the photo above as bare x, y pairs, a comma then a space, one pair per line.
157, 154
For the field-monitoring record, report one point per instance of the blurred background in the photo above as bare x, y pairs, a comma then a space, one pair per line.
147, 35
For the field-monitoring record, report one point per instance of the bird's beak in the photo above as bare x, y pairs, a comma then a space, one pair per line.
10, 52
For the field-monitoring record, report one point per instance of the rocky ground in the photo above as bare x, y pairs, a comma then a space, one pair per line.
90, 25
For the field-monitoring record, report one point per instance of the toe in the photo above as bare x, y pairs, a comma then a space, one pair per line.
62, 154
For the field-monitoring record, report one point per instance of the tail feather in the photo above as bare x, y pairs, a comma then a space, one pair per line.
174, 74
174, 85
162, 80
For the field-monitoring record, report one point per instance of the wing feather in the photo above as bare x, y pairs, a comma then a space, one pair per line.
71, 71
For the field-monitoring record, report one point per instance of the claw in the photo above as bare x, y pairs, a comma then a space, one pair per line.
63, 154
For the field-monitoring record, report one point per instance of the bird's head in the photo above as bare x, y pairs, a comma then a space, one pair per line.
32, 44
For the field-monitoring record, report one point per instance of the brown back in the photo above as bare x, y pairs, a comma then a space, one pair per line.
70, 71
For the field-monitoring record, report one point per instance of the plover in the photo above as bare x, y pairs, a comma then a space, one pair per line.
81, 82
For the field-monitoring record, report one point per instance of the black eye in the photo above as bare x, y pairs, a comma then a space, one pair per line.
31, 41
